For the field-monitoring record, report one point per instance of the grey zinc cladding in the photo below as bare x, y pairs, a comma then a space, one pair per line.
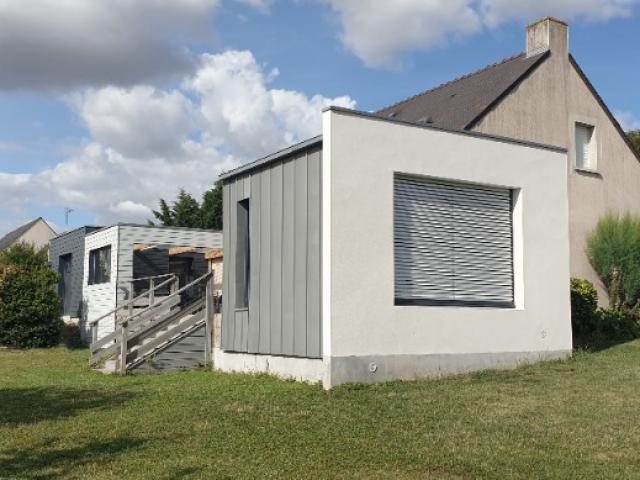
283, 317
71, 243
459, 103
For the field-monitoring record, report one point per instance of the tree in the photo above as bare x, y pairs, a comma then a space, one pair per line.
634, 136
211, 209
29, 305
187, 212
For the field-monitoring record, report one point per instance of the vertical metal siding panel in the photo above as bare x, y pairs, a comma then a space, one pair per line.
276, 260
251, 335
247, 187
228, 274
288, 224
313, 255
264, 344
300, 257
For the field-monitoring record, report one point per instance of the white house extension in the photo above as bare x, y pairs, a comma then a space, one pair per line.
390, 250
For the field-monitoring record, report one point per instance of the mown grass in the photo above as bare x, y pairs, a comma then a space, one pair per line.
572, 419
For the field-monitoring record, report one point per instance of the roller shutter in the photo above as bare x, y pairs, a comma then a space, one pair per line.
453, 243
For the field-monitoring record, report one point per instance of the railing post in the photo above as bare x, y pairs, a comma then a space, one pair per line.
123, 347
152, 294
131, 297
208, 322
94, 332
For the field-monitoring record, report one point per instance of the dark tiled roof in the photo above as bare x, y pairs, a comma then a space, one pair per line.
14, 235
460, 103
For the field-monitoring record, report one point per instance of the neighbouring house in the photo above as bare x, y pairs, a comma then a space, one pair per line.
148, 282
119, 259
66, 256
542, 95
37, 233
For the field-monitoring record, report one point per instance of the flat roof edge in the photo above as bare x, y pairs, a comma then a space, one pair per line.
305, 144
468, 133
84, 227
139, 225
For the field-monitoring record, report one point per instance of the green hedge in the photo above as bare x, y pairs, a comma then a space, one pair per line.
599, 327
29, 305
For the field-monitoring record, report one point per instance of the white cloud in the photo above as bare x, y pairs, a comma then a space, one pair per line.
496, 12
145, 143
379, 32
262, 5
62, 44
247, 117
628, 120
114, 115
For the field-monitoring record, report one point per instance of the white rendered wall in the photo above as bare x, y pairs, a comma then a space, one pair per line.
101, 298
360, 320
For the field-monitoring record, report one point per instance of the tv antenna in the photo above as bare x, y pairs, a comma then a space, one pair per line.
67, 212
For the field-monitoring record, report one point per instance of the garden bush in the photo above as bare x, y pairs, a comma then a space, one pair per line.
614, 251
29, 305
584, 308
595, 327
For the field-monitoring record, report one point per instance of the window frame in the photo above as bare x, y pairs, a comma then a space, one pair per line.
243, 254
99, 273
507, 304
592, 166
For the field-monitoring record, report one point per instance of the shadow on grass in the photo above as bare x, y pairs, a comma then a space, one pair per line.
31, 405
596, 343
45, 460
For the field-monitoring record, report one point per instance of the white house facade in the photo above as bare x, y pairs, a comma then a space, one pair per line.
387, 250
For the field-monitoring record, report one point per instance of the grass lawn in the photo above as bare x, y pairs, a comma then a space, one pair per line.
574, 419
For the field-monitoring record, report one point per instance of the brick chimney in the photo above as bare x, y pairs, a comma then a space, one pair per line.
548, 34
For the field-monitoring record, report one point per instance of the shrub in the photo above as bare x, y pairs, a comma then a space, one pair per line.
595, 327
614, 251
584, 308
617, 325
29, 306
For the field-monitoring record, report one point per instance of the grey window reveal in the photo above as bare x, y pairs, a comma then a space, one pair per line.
100, 265
242, 255
453, 243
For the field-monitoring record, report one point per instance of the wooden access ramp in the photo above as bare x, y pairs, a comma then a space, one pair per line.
158, 333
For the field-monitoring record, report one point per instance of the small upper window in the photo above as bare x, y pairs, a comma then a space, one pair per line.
586, 150
100, 265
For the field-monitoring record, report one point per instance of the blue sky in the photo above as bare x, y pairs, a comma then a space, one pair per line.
105, 116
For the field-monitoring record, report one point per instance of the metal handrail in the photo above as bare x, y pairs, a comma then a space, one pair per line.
166, 299
132, 301
153, 277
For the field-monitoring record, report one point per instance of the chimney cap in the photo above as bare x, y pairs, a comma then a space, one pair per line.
552, 19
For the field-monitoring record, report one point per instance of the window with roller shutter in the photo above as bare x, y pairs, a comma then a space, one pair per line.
453, 243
